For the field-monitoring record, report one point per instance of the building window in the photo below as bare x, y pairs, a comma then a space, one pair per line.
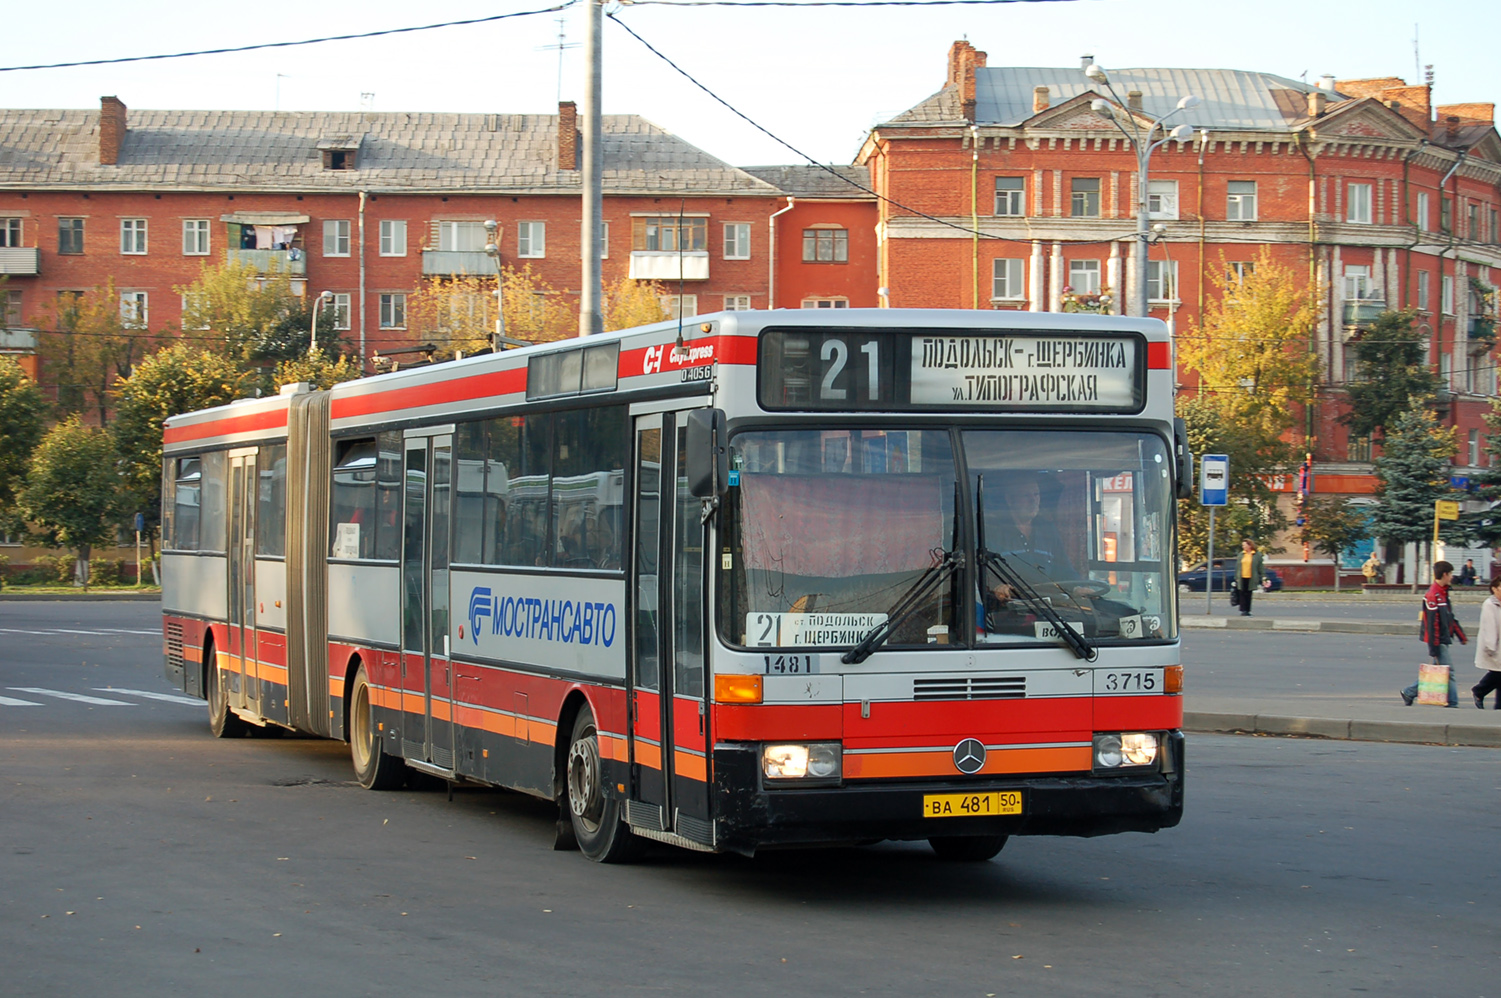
1358, 448
1358, 205
1424, 281
12, 309
1474, 448
461, 237
531, 239
1162, 281
1008, 279
70, 235
393, 237
1446, 294
737, 303
393, 311
336, 237
1445, 214
133, 236
10, 232
1495, 233
133, 313
737, 240
826, 303
1162, 199
195, 237
340, 309
1358, 283
826, 245
1010, 196
670, 305
604, 240
1085, 201
1084, 277
1236, 271
1474, 221
1422, 211
1240, 201
669, 234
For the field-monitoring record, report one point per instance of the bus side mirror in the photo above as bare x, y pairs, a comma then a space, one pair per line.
708, 454
1185, 459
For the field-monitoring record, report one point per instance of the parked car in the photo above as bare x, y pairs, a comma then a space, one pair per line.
1224, 577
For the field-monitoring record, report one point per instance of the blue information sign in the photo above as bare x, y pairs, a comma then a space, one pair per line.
1214, 480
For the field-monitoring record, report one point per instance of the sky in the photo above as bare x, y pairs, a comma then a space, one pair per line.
816, 77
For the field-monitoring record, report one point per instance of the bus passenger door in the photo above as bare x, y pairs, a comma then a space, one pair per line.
668, 734
427, 733
244, 684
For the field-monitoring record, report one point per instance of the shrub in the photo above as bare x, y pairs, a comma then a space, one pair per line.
106, 572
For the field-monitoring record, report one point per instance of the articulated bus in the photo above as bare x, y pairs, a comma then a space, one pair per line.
777, 579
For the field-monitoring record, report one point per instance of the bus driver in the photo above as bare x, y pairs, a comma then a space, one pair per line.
1029, 542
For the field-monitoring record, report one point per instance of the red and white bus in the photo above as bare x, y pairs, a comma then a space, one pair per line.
780, 578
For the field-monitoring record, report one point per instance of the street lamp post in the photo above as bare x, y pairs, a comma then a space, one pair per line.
1143, 144
492, 250
324, 297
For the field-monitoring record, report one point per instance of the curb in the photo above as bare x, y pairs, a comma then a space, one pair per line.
1412, 732
76, 597
1296, 624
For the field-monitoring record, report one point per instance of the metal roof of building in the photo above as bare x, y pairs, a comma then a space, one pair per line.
1231, 98
810, 181
513, 153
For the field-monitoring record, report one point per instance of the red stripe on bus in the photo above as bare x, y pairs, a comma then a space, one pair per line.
707, 350
508, 382
1159, 356
276, 419
1138, 713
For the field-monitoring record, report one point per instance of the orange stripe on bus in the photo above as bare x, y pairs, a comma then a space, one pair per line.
887, 765
694, 767
649, 755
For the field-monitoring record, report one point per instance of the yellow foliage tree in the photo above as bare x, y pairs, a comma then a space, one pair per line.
317, 368
631, 303
94, 340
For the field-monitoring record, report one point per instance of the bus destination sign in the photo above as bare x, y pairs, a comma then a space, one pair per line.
869, 370
1041, 372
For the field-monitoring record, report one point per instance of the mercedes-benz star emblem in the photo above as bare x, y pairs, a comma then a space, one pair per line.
969, 756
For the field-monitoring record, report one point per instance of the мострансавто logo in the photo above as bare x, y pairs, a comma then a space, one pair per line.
540, 619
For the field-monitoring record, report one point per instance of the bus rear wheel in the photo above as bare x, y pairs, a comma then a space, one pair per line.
967, 848
222, 722
597, 824
373, 768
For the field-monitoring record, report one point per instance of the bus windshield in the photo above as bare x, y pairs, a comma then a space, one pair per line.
829, 528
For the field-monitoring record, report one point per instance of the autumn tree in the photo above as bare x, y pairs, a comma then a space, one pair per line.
23, 414
181, 378
455, 313
630, 303
317, 369
261, 318
1391, 369
94, 338
73, 496
1256, 369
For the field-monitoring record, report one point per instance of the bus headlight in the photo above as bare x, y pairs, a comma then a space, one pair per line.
1127, 749
810, 761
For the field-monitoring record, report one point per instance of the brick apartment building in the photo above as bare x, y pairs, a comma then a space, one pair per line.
366, 205
1387, 201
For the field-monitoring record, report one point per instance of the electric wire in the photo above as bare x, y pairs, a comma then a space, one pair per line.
309, 41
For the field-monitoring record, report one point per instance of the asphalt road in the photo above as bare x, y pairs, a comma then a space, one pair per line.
142, 857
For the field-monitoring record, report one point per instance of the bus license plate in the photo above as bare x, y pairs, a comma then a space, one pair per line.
971, 805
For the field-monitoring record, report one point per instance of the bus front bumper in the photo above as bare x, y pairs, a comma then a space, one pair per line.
750, 816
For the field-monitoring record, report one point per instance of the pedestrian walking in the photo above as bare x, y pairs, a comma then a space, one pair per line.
1249, 576
1488, 647
1438, 629
1371, 569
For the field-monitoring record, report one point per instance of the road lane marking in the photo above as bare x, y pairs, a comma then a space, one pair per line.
69, 630
165, 697
71, 696
129, 630
99, 632
17, 630
9, 702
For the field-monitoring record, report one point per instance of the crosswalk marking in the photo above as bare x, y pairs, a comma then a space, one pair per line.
61, 695
165, 697
10, 702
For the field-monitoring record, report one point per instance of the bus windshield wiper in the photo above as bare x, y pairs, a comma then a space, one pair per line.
926, 584
1008, 576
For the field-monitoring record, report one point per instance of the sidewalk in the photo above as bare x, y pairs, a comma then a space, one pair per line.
1358, 716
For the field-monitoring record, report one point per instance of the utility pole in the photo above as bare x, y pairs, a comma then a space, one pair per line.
591, 319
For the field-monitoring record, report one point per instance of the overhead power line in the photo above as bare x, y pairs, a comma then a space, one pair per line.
829, 3
309, 41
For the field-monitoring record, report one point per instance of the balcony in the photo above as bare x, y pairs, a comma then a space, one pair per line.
455, 263
649, 265
288, 261
1363, 311
20, 261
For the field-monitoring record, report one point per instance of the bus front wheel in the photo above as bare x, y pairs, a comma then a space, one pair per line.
602, 835
374, 769
222, 722
967, 848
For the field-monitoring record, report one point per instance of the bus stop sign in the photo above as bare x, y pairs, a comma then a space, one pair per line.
1214, 480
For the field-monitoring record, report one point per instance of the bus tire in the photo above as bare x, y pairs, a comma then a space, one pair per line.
967, 848
222, 722
602, 833
373, 768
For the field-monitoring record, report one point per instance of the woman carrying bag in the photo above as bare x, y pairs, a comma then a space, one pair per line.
1488, 647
